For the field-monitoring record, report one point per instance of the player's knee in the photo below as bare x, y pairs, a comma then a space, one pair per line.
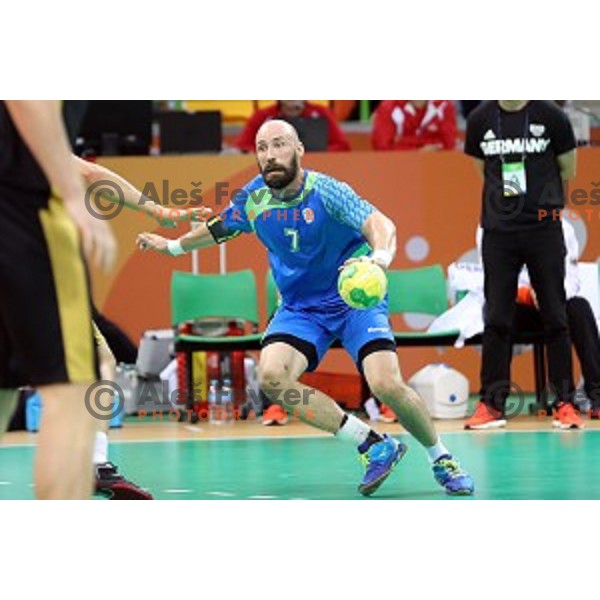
385, 387
271, 379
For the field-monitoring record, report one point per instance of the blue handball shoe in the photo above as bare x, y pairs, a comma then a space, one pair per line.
449, 474
379, 459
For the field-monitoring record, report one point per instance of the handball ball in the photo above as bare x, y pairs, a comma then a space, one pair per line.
362, 284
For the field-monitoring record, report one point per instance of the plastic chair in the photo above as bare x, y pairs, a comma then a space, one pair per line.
231, 296
272, 295
420, 291
423, 291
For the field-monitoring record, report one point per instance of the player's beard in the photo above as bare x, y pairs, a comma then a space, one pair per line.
283, 177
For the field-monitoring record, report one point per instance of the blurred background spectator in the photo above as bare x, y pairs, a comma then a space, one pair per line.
468, 106
294, 111
414, 125
141, 127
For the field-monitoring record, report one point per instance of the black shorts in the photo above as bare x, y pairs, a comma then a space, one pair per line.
46, 334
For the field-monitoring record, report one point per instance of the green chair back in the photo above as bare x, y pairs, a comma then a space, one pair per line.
421, 291
272, 295
232, 295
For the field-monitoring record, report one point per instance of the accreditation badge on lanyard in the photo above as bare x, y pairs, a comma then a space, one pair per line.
514, 179
514, 176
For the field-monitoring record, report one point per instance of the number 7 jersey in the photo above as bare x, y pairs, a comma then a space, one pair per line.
308, 235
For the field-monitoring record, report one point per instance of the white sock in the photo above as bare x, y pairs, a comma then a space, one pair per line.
353, 430
101, 448
434, 452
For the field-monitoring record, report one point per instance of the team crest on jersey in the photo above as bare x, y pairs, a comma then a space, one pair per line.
309, 215
536, 129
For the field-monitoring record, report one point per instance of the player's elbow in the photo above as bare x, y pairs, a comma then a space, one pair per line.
386, 224
90, 171
391, 227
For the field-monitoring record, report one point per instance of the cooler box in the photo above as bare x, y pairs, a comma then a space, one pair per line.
155, 352
444, 390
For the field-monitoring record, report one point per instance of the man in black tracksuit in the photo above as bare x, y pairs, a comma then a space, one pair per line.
524, 149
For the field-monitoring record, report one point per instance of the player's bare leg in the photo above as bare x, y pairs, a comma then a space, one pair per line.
108, 479
280, 367
8, 403
383, 375
65, 441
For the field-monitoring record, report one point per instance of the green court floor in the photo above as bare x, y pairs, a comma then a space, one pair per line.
505, 465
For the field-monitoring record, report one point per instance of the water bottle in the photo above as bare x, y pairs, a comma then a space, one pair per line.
215, 407
227, 400
33, 410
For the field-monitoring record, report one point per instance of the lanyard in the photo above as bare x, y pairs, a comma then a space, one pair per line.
525, 130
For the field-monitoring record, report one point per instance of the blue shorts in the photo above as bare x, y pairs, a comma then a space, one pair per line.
312, 332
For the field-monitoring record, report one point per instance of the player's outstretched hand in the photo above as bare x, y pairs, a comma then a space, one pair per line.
152, 241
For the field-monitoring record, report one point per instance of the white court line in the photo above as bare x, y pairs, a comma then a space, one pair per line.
317, 436
221, 494
5, 482
500, 430
262, 497
309, 436
177, 491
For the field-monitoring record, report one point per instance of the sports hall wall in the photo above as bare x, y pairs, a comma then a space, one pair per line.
434, 199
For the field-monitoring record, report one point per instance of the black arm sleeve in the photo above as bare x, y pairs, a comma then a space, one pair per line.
219, 230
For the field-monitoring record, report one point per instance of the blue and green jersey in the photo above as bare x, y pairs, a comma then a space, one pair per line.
308, 236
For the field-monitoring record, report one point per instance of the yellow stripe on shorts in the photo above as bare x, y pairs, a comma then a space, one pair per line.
72, 292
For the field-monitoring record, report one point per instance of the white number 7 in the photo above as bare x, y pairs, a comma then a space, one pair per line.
295, 235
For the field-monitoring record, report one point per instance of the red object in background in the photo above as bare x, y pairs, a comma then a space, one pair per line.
182, 364
399, 125
336, 138
525, 296
347, 389
238, 378
181, 371
213, 366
